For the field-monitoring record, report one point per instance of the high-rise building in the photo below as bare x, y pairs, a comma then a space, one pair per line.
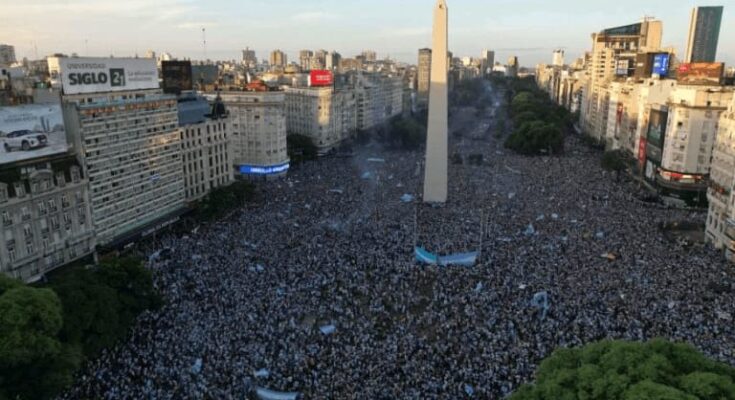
558, 60
424, 76
258, 132
249, 58
278, 59
205, 146
704, 33
320, 59
334, 60
7, 54
488, 61
305, 57
370, 55
126, 133
614, 53
511, 69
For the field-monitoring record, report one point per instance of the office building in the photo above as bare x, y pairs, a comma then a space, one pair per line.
305, 58
511, 69
126, 132
326, 115
249, 58
704, 33
205, 146
7, 54
319, 61
257, 133
424, 77
278, 59
46, 221
333, 61
614, 54
378, 98
558, 58
488, 61
370, 56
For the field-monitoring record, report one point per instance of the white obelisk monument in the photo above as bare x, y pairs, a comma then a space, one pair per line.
437, 158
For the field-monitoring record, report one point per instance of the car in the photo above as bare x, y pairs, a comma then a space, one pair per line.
24, 140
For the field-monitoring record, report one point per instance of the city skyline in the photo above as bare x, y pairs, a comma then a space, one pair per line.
529, 29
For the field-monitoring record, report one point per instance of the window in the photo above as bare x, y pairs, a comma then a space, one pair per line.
52, 205
11, 254
64, 201
26, 215
6, 218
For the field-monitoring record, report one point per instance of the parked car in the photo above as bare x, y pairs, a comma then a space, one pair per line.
24, 140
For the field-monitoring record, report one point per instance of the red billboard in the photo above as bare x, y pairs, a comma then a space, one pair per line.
700, 73
320, 78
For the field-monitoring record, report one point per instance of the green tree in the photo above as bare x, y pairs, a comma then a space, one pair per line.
618, 370
34, 363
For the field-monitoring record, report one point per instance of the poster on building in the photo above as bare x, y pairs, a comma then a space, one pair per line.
98, 75
622, 67
656, 135
320, 78
204, 74
661, 64
31, 131
177, 76
700, 73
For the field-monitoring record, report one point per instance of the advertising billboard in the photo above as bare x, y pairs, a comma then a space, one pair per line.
700, 73
656, 134
320, 78
661, 64
31, 131
96, 75
176, 76
622, 67
643, 65
263, 170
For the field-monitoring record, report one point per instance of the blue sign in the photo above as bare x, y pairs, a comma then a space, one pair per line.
263, 170
661, 64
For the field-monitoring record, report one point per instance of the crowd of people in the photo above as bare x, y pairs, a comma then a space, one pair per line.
316, 291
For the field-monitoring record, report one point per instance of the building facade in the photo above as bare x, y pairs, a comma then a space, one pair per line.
378, 98
720, 227
278, 59
424, 77
205, 146
704, 33
326, 115
613, 54
45, 216
7, 54
257, 133
130, 146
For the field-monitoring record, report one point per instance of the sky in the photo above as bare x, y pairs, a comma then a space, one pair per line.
530, 29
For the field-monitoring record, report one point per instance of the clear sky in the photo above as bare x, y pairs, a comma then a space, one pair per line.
530, 29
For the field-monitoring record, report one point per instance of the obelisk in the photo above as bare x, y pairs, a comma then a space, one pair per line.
435, 177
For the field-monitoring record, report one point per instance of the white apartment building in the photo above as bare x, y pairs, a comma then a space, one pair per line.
205, 146
45, 216
691, 130
131, 152
326, 115
720, 229
257, 134
378, 98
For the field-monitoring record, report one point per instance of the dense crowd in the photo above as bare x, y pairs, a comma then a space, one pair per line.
332, 246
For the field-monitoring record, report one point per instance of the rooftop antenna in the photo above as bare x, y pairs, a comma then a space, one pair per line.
204, 42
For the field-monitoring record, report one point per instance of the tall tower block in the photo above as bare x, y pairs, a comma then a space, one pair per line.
437, 158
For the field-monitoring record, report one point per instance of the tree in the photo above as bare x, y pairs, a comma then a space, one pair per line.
34, 363
614, 161
618, 370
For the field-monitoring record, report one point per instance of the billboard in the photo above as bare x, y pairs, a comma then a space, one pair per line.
95, 75
643, 65
31, 131
656, 135
263, 170
700, 73
320, 78
622, 67
661, 64
176, 76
